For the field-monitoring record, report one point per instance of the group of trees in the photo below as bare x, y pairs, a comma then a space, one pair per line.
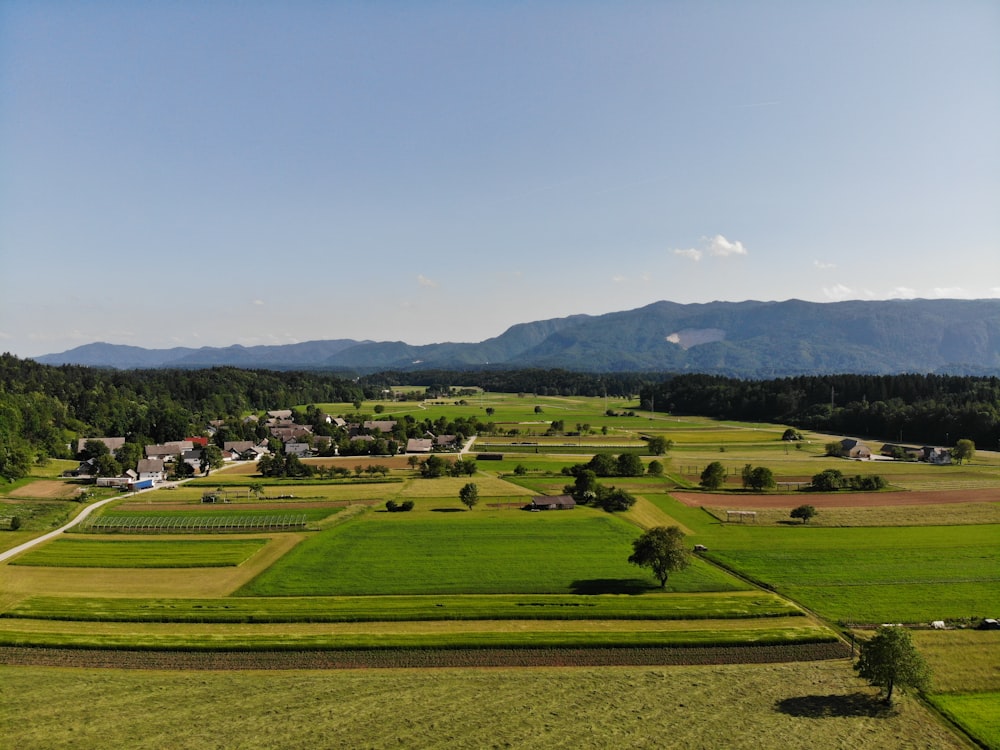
756, 478
434, 466
831, 480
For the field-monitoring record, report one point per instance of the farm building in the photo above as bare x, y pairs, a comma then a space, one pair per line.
851, 448
555, 502
419, 445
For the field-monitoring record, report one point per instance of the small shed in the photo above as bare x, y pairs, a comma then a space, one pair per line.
552, 502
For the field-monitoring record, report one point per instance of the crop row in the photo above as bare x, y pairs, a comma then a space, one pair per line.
500, 639
175, 523
405, 608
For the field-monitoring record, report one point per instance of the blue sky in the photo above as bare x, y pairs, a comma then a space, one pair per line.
188, 174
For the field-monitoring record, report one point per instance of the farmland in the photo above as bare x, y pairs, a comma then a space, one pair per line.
355, 579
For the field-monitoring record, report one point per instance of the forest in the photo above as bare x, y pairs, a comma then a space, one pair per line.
911, 408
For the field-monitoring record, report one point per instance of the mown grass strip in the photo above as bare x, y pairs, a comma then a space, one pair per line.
179, 553
325, 641
406, 608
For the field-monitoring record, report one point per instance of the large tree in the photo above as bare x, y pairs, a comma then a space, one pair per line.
889, 660
661, 549
469, 495
713, 476
964, 450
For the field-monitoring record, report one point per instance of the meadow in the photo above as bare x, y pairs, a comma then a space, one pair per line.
443, 577
819, 705
481, 552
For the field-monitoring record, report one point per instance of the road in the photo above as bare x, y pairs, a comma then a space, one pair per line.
4, 556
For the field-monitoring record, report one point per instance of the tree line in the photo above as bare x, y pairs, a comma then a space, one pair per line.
911, 408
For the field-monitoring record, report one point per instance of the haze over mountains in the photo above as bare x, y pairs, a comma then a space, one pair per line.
741, 339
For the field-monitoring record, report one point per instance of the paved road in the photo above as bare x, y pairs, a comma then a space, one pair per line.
45, 537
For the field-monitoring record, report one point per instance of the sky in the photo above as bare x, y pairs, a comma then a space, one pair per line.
215, 173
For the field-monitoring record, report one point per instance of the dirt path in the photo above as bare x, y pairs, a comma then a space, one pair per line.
838, 500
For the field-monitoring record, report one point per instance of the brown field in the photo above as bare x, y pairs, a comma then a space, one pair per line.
47, 489
838, 500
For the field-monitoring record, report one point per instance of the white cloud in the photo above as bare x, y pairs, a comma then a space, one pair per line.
646, 276
822, 266
691, 254
720, 246
902, 292
424, 281
5, 335
837, 292
618, 279
258, 302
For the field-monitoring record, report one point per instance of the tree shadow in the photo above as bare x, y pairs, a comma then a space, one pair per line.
448, 510
826, 706
612, 586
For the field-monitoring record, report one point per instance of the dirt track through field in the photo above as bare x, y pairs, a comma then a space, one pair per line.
838, 500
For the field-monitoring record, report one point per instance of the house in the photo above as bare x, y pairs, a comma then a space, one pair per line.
298, 449
939, 456
85, 469
280, 414
556, 502
113, 443
151, 468
237, 450
290, 432
166, 451
446, 443
381, 425
200, 442
193, 458
419, 445
851, 448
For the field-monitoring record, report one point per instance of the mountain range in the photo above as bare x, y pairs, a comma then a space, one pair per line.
741, 339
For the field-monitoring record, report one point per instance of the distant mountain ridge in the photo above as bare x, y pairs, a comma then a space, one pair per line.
741, 339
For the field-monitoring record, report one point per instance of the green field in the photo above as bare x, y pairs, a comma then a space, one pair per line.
977, 713
482, 552
871, 575
176, 553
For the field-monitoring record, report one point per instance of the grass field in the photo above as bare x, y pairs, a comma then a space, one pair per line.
977, 713
819, 705
486, 552
897, 574
175, 553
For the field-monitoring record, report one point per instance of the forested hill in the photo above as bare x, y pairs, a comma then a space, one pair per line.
736, 339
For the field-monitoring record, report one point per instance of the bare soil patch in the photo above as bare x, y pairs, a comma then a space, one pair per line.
47, 489
839, 500
416, 658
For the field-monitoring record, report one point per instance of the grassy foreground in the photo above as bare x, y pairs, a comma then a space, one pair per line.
817, 705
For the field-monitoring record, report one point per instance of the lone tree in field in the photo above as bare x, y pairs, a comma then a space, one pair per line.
805, 512
889, 659
713, 476
469, 495
964, 450
662, 550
